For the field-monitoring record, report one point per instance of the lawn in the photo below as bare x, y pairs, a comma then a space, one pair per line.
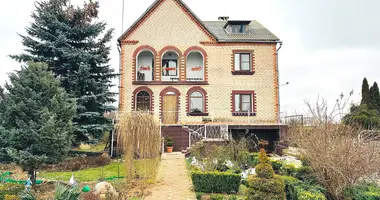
94, 148
86, 175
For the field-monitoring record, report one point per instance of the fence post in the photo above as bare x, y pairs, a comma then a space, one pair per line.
205, 131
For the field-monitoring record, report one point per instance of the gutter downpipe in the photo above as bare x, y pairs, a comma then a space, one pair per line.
278, 84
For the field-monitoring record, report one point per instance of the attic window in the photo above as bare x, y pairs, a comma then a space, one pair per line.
239, 28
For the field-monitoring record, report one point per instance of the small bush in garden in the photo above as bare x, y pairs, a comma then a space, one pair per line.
216, 182
199, 195
298, 190
10, 189
11, 197
363, 191
216, 197
103, 160
265, 185
276, 164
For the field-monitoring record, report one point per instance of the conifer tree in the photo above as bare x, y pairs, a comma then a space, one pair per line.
75, 45
38, 120
365, 92
374, 97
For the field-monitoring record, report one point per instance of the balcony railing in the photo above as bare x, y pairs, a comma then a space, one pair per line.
175, 118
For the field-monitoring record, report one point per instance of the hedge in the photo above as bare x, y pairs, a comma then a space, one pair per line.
216, 182
298, 190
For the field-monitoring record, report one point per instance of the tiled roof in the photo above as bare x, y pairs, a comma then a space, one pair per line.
256, 32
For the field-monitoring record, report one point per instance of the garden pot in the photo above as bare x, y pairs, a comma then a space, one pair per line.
169, 149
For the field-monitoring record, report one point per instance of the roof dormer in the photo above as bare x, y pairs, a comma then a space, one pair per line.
237, 26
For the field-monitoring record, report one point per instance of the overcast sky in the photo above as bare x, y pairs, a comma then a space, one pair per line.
329, 46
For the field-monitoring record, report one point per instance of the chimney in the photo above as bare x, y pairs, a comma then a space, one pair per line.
223, 18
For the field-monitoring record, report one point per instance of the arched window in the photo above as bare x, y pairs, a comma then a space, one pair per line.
195, 66
145, 66
143, 101
196, 102
170, 66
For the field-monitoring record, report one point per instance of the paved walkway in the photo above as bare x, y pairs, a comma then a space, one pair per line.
174, 182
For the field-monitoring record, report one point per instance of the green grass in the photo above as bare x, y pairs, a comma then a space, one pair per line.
91, 174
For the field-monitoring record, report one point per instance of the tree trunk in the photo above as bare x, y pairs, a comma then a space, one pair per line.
32, 173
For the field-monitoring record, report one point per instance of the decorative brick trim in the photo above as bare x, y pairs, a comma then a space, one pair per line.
205, 60
253, 106
208, 43
122, 79
205, 100
136, 53
164, 93
275, 84
170, 48
154, 8
144, 47
169, 83
130, 42
243, 72
146, 89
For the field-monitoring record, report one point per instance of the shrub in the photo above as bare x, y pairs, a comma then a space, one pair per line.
265, 185
215, 182
11, 197
199, 195
363, 191
10, 189
103, 160
298, 190
216, 197
276, 164
303, 173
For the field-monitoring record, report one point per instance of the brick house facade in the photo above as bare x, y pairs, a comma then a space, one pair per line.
189, 72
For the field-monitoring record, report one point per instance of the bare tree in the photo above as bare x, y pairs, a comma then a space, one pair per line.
339, 155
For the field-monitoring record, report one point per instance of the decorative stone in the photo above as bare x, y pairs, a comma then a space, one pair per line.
104, 187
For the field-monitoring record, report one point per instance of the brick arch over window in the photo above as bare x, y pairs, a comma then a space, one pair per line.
205, 101
205, 59
170, 48
146, 89
136, 53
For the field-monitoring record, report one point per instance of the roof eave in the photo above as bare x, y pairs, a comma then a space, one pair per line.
250, 41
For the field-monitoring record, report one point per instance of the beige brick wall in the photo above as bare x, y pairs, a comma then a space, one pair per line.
170, 26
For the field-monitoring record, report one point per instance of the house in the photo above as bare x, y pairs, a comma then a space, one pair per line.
203, 80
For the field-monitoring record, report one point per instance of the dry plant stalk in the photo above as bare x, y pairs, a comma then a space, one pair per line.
138, 137
339, 155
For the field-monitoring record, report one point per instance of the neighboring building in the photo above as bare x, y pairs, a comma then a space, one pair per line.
191, 73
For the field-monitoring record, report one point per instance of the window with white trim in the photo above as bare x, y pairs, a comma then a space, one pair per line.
242, 62
195, 67
145, 66
196, 102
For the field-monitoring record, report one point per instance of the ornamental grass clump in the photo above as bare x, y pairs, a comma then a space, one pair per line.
265, 185
140, 142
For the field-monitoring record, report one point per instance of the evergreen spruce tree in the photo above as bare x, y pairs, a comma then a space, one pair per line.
365, 92
39, 118
70, 40
374, 97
